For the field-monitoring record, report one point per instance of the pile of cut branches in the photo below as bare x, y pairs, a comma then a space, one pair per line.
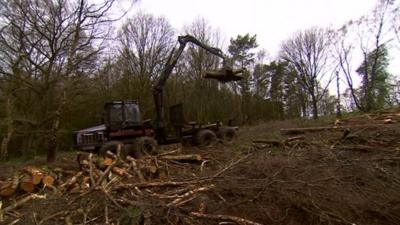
112, 190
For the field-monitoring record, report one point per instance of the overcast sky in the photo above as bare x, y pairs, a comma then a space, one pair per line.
272, 20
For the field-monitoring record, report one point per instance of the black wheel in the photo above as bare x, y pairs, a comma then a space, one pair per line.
111, 146
133, 150
146, 145
205, 138
227, 134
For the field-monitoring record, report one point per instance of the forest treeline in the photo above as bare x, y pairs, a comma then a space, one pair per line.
61, 60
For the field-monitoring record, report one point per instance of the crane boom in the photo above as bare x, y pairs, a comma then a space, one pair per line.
158, 88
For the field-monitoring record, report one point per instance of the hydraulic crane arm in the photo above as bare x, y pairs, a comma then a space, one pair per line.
167, 71
175, 54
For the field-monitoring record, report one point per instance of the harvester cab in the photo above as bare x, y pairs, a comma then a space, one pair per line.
120, 115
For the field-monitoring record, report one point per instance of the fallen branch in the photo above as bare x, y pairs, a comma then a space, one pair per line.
185, 158
235, 219
108, 170
92, 181
230, 166
360, 148
57, 214
170, 152
162, 184
269, 142
189, 195
22, 201
296, 138
136, 169
122, 172
15, 221
71, 181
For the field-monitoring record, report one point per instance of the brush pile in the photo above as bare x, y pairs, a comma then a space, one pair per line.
112, 190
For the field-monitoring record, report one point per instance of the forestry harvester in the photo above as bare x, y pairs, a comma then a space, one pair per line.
123, 125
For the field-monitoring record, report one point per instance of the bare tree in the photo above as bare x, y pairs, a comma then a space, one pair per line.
344, 50
308, 53
196, 62
145, 42
199, 59
338, 99
395, 17
369, 37
52, 45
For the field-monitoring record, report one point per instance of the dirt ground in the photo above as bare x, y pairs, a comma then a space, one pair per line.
344, 175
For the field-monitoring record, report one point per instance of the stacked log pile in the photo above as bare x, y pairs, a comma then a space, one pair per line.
27, 180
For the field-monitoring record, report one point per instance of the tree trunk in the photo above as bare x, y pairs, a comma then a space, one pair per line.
52, 146
369, 99
10, 131
315, 106
338, 105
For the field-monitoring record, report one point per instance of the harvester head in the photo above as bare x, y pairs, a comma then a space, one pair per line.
225, 75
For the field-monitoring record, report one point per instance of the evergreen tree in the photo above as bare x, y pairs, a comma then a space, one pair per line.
240, 50
375, 76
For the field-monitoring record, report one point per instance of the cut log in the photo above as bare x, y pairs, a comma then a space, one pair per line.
6, 190
37, 175
37, 178
28, 187
48, 180
318, 129
185, 158
27, 183
107, 161
9, 188
307, 129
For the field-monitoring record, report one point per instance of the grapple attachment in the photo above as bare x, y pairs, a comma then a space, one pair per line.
225, 75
